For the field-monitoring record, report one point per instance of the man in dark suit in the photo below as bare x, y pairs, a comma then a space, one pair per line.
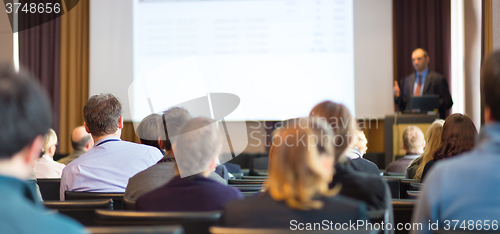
422, 82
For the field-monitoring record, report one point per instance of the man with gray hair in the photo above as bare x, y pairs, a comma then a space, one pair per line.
163, 171
148, 130
81, 142
196, 149
414, 144
107, 167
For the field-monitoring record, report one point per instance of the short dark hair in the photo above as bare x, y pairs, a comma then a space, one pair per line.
79, 145
149, 130
25, 111
458, 136
490, 84
102, 113
174, 118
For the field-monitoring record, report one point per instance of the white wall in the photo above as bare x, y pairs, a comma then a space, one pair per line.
373, 58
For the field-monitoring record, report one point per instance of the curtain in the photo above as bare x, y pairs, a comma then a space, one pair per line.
422, 24
486, 38
39, 51
74, 71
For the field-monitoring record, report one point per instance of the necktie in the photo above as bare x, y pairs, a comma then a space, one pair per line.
419, 86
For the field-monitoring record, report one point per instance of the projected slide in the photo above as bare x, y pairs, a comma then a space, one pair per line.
279, 57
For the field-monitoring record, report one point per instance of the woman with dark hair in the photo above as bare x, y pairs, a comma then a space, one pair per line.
459, 136
368, 188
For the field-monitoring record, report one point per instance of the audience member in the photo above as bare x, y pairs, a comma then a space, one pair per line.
297, 186
163, 171
465, 188
414, 144
371, 189
46, 167
148, 131
458, 136
81, 142
108, 166
415, 169
197, 148
355, 156
25, 117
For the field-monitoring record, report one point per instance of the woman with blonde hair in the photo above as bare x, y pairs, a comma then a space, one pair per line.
301, 161
46, 167
415, 169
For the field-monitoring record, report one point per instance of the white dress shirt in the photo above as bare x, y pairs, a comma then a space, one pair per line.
107, 167
46, 167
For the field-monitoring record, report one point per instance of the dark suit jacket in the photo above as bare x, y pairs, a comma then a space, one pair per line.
435, 83
262, 211
193, 193
371, 189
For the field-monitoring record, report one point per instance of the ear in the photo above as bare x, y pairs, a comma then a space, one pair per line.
86, 128
88, 145
34, 150
160, 143
213, 164
120, 123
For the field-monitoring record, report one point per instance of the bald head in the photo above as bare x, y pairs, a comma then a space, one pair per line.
81, 139
420, 59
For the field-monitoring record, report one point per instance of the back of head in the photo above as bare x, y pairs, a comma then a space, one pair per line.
490, 84
25, 111
148, 130
50, 140
296, 171
196, 146
80, 138
102, 113
173, 119
433, 141
341, 122
459, 136
413, 140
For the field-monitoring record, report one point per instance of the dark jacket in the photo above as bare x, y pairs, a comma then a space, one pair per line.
435, 83
371, 189
364, 165
193, 193
262, 211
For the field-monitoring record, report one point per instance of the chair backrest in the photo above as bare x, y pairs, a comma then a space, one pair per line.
394, 187
403, 210
128, 203
247, 187
82, 211
249, 194
174, 229
380, 217
245, 181
192, 222
254, 177
405, 185
225, 230
412, 194
49, 188
117, 197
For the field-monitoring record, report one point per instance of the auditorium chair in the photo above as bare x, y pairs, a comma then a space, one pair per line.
128, 203
412, 194
192, 222
254, 177
254, 182
82, 211
225, 230
117, 197
49, 188
404, 186
403, 210
136, 230
247, 187
249, 194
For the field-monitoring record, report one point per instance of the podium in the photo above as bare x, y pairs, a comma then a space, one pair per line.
394, 127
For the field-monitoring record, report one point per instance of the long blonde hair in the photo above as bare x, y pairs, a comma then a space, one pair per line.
294, 176
433, 141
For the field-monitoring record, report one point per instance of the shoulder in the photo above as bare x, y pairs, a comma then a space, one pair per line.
436, 76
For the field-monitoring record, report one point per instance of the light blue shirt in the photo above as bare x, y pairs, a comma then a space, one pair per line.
463, 188
107, 167
424, 75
